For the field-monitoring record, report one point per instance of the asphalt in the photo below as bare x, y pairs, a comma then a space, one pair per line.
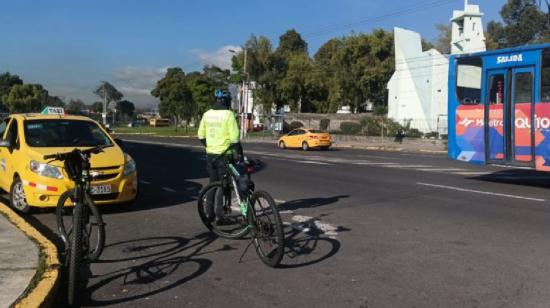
363, 229
18, 262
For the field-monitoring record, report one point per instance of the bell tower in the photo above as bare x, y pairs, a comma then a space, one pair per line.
467, 30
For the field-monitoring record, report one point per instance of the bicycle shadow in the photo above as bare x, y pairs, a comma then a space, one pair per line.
149, 266
310, 202
310, 242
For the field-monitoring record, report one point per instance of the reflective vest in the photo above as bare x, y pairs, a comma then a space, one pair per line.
220, 129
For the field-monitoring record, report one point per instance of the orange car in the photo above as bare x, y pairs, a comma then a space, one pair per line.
305, 139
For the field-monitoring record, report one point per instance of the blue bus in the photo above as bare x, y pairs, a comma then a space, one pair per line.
499, 107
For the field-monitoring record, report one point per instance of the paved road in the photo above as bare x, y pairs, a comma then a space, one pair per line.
364, 229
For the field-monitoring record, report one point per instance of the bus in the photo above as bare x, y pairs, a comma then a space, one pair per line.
154, 122
499, 107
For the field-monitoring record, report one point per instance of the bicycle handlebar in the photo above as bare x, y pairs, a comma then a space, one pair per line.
64, 156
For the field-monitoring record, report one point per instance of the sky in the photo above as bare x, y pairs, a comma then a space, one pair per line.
71, 46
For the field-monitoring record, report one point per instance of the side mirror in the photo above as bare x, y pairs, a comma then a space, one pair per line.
5, 144
119, 142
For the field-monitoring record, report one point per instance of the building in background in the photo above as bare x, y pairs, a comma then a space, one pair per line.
418, 89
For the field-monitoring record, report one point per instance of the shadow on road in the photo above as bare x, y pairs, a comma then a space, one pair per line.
517, 177
310, 202
155, 265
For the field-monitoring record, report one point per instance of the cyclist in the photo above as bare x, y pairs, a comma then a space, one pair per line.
218, 131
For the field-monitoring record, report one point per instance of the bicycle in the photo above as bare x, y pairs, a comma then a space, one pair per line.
256, 211
85, 239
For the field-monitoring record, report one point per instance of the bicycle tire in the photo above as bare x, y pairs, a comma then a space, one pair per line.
94, 224
268, 228
232, 231
75, 257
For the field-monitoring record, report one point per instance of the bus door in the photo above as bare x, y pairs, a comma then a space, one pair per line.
495, 119
509, 116
522, 109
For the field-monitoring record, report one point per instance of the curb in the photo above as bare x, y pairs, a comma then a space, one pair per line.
42, 295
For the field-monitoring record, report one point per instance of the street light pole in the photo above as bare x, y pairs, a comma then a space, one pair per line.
242, 108
104, 114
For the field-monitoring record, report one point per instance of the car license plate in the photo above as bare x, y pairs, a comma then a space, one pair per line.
101, 189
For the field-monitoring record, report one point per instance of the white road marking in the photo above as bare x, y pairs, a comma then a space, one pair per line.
311, 162
303, 225
280, 201
375, 164
145, 182
482, 192
442, 169
168, 189
472, 173
408, 166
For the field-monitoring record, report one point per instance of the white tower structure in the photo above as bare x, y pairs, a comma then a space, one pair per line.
417, 91
467, 30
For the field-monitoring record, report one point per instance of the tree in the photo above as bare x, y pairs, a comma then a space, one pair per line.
96, 107
54, 101
523, 23
7, 81
125, 109
76, 106
291, 42
25, 98
443, 41
202, 89
176, 100
108, 93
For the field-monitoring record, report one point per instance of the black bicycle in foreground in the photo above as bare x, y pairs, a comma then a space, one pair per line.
84, 234
244, 211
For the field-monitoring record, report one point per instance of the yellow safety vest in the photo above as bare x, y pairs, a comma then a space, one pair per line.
220, 129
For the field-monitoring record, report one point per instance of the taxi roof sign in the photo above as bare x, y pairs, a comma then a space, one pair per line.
53, 110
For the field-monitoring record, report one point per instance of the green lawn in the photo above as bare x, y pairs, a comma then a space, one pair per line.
157, 131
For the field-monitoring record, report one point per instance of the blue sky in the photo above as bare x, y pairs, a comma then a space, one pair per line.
70, 46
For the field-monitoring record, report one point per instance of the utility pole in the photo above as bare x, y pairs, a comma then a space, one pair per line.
104, 114
244, 105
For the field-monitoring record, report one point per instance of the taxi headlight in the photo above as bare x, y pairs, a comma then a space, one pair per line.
45, 170
129, 166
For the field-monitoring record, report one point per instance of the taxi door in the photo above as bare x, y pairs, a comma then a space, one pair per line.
6, 129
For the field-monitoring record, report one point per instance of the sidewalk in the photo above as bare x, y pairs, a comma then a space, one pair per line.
18, 262
374, 143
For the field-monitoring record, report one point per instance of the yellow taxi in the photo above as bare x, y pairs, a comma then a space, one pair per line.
305, 139
33, 182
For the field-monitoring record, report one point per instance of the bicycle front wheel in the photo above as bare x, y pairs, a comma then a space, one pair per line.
93, 236
268, 234
220, 212
75, 256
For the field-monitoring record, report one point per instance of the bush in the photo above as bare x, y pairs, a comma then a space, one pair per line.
432, 135
325, 123
413, 133
371, 126
350, 128
296, 125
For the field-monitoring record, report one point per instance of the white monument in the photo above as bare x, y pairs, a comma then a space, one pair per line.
417, 91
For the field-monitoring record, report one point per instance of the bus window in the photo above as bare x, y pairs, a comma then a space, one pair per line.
524, 88
468, 81
496, 90
545, 80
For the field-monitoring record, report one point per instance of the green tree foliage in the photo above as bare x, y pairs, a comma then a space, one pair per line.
125, 109
7, 81
202, 90
75, 106
25, 98
54, 101
108, 92
522, 23
96, 107
176, 99
443, 41
291, 42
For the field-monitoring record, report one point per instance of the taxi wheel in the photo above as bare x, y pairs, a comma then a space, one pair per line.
282, 145
17, 197
305, 146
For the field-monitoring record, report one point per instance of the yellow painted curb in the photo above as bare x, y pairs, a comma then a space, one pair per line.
43, 292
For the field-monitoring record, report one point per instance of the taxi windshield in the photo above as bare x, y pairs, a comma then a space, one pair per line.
64, 133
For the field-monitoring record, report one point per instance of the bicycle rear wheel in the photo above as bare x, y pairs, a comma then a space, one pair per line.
234, 223
93, 236
75, 257
268, 234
